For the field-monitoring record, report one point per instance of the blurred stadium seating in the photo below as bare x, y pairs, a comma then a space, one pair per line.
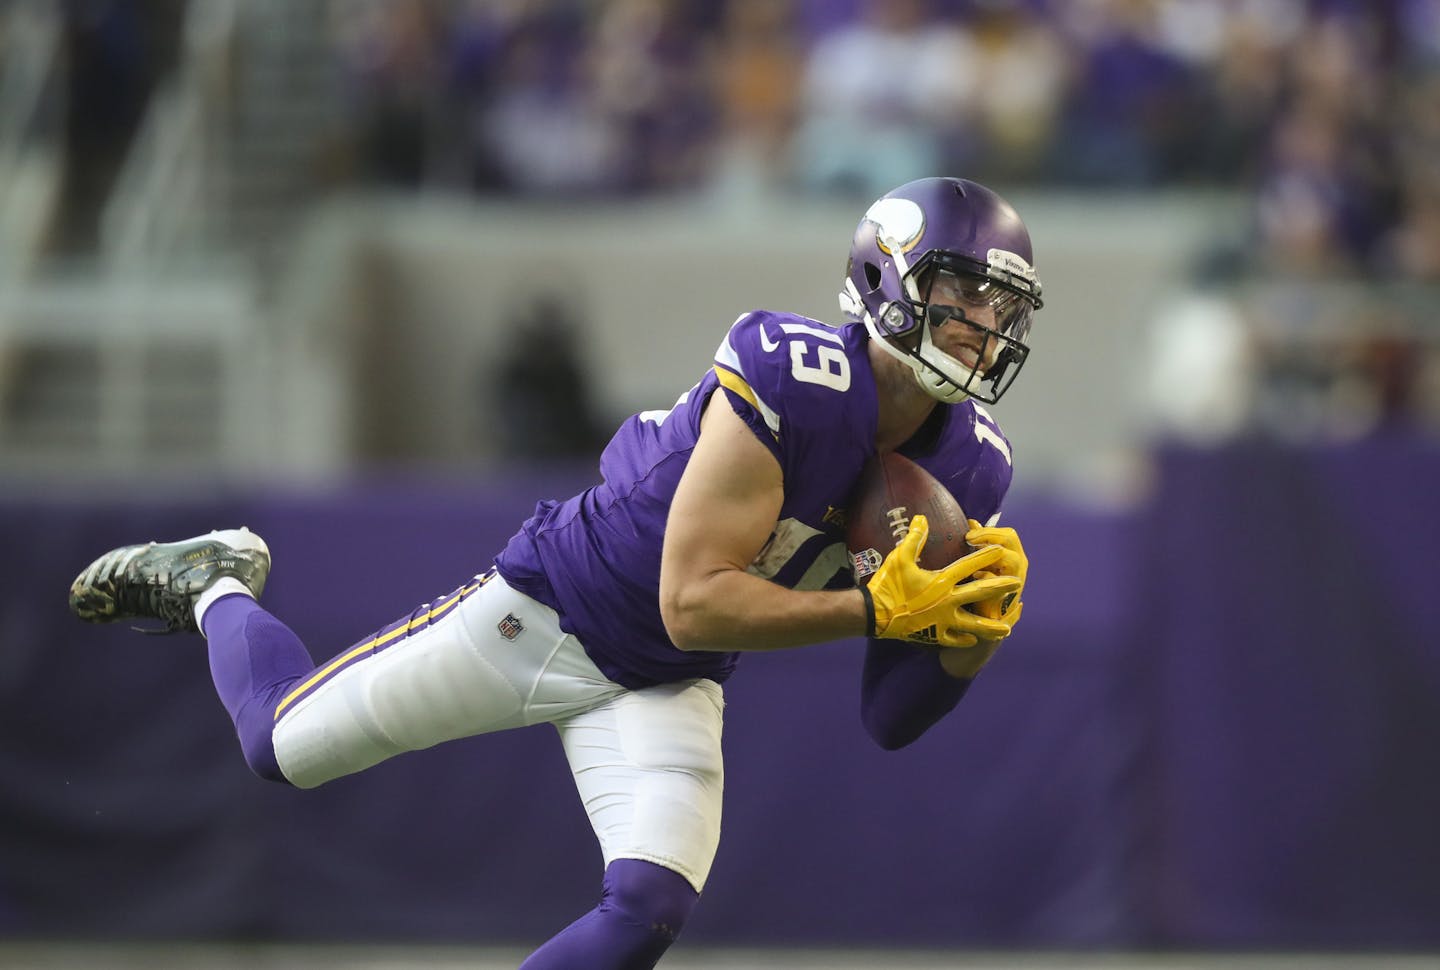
212, 208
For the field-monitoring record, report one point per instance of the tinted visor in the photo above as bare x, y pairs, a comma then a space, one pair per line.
978, 300
957, 290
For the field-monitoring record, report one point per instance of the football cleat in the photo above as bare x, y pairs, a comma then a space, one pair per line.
161, 580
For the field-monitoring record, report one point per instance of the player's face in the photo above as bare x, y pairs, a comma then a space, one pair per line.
962, 309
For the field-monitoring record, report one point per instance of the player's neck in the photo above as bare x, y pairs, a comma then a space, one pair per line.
903, 405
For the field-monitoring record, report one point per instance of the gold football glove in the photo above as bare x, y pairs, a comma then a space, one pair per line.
1012, 562
906, 601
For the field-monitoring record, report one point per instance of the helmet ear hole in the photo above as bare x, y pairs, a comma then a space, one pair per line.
873, 276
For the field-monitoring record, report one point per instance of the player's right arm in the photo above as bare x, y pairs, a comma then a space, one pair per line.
724, 511
729, 498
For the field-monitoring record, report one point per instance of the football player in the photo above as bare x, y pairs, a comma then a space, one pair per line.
717, 528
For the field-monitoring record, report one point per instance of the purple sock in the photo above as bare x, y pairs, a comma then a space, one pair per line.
642, 908
254, 660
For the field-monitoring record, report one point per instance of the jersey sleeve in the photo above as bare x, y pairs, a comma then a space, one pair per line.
992, 470
974, 463
781, 374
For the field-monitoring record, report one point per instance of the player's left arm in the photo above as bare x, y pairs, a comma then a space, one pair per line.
904, 689
903, 692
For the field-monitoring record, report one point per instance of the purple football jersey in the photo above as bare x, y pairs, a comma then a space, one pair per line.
807, 392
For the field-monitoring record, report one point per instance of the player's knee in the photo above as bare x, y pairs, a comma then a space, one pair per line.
650, 895
255, 727
263, 763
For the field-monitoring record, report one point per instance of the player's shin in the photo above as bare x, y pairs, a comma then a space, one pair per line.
254, 660
640, 914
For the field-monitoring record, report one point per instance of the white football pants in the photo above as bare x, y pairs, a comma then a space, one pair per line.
647, 763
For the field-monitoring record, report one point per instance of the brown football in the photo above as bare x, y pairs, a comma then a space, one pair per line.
891, 490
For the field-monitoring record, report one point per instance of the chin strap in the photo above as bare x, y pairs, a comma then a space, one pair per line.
932, 371
927, 374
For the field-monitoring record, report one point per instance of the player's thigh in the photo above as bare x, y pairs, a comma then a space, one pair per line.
473, 662
649, 770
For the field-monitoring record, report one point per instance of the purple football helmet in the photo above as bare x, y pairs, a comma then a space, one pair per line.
937, 252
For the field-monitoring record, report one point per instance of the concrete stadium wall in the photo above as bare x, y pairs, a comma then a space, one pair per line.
416, 303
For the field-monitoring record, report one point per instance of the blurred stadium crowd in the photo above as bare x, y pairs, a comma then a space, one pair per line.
1328, 109
1323, 114
1326, 112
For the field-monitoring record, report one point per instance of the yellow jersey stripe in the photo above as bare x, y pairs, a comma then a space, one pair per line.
734, 382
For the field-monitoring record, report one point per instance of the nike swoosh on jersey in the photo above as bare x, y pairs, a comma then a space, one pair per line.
766, 344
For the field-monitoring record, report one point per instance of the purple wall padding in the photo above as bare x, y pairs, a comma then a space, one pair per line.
1216, 726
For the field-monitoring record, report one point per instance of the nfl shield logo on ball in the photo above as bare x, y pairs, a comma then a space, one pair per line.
510, 627
866, 562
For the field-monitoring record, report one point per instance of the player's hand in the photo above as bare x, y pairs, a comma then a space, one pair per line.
1012, 562
909, 602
